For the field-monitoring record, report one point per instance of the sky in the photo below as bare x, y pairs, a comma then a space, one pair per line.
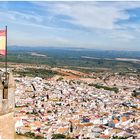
98, 25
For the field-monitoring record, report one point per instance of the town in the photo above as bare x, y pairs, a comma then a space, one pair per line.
80, 108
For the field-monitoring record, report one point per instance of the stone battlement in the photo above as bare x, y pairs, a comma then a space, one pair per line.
7, 105
7, 95
7, 126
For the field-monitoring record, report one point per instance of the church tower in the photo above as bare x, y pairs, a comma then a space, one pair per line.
7, 105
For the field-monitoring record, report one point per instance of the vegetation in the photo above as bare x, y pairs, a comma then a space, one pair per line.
58, 136
43, 73
69, 57
49, 111
135, 93
115, 89
60, 79
117, 137
32, 135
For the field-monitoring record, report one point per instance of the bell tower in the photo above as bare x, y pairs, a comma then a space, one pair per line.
7, 105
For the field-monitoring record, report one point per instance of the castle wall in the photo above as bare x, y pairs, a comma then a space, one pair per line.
7, 126
7, 105
1, 101
11, 99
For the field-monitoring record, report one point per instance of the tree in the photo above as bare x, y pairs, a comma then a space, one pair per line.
58, 136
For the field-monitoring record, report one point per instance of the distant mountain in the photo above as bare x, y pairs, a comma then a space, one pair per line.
75, 52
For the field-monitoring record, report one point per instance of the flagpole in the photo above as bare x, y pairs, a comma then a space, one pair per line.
6, 54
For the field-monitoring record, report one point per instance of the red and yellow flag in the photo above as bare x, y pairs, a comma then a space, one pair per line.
3, 42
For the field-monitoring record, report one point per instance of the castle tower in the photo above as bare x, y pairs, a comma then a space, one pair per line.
7, 105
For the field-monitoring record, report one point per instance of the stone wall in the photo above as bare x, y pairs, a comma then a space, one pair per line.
6, 107
7, 126
1, 97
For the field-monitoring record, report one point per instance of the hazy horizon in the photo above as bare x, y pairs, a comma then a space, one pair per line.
95, 25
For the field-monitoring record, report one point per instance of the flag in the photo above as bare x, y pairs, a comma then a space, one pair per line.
3, 42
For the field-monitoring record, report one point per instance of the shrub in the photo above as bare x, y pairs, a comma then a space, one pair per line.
115, 89
58, 136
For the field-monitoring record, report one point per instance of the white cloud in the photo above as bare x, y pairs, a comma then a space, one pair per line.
25, 17
91, 16
100, 15
121, 36
103, 17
